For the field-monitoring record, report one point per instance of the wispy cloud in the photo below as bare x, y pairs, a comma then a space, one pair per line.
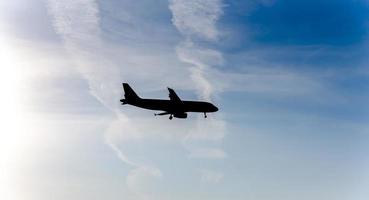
139, 177
108, 42
77, 22
211, 176
197, 18
201, 61
104, 66
204, 152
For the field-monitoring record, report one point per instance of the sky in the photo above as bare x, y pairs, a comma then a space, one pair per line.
290, 79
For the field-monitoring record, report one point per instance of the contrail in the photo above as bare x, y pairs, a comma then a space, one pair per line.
77, 23
196, 19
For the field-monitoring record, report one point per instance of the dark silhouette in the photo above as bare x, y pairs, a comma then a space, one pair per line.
174, 107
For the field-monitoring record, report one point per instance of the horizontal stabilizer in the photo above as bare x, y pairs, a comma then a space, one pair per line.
163, 113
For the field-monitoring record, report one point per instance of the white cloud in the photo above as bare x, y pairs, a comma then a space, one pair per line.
193, 54
201, 60
77, 22
138, 181
197, 17
211, 176
104, 68
211, 129
205, 152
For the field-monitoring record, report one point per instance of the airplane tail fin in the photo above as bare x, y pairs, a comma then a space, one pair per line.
129, 94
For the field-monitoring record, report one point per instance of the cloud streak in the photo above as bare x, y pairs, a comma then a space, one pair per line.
77, 23
211, 176
197, 20
102, 65
197, 17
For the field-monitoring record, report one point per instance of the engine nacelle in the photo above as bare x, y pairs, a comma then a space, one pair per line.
180, 115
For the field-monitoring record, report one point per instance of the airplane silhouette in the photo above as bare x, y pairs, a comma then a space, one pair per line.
174, 107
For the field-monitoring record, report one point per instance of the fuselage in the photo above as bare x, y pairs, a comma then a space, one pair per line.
173, 107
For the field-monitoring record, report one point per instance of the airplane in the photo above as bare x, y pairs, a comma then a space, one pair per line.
174, 107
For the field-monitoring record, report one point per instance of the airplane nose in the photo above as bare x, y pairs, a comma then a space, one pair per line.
215, 108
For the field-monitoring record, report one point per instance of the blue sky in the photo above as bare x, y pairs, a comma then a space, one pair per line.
290, 79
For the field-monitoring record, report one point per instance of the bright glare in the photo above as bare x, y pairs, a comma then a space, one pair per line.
10, 116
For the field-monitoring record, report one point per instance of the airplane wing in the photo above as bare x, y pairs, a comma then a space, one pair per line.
173, 96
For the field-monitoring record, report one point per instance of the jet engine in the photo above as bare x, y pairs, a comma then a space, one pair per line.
180, 115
